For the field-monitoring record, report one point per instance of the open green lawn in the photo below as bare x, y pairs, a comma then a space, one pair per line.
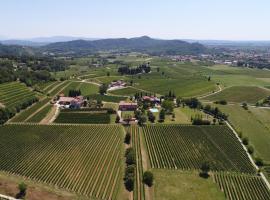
85, 88
176, 185
239, 94
106, 98
253, 124
129, 91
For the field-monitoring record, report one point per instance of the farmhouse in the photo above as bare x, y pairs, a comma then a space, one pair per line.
71, 102
151, 99
117, 85
126, 106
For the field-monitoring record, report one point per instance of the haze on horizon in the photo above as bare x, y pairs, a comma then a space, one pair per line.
172, 19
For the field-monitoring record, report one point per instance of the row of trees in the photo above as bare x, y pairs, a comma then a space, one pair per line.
8, 113
144, 68
74, 93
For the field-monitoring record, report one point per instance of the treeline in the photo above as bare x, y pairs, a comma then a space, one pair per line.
29, 70
194, 103
74, 93
8, 113
144, 68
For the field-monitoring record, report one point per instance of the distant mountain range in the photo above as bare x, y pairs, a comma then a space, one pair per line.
143, 44
87, 46
41, 41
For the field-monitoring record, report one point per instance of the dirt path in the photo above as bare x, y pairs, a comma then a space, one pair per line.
207, 95
90, 82
51, 116
38, 110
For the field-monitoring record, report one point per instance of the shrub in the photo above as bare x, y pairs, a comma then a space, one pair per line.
117, 120
130, 156
250, 149
22, 190
259, 162
148, 178
127, 138
205, 168
245, 141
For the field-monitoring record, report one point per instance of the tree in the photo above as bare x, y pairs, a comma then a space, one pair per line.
127, 118
130, 156
22, 190
245, 141
108, 73
127, 138
259, 162
178, 101
148, 178
168, 106
209, 78
117, 120
142, 119
103, 89
245, 106
151, 117
205, 168
162, 115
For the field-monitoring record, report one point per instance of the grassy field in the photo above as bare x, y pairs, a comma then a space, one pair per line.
129, 91
187, 147
253, 124
86, 160
106, 98
239, 94
173, 185
85, 88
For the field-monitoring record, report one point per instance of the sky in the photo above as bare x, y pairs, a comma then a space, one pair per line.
166, 19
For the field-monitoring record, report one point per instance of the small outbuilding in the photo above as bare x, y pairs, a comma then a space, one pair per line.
127, 106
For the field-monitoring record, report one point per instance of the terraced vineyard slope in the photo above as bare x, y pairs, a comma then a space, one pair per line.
186, 147
14, 94
85, 159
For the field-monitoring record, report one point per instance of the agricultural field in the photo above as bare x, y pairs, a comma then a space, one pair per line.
171, 184
106, 98
14, 94
244, 187
58, 88
86, 160
85, 117
240, 94
129, 91
252, 123
25, 114
187, 147
85, 88
50, 87
41, 114
139, 191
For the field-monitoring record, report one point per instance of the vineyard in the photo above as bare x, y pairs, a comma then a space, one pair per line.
83, 118
187, 147
244, 187
14, 94
84, 159
28, 112
138, 193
